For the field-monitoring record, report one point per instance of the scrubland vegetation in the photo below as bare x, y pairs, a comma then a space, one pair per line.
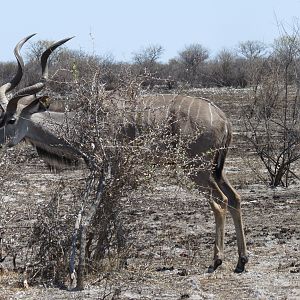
133, 229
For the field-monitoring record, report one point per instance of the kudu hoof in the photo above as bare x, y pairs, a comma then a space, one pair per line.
216, 263
241, 264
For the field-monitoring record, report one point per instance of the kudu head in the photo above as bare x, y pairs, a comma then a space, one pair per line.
14, 118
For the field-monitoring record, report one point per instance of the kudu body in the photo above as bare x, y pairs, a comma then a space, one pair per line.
188, 115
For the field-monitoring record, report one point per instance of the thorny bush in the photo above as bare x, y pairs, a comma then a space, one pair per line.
118, 165
82, 228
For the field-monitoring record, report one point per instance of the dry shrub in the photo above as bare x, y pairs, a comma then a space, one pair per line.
123, 151
50, 241
272, 119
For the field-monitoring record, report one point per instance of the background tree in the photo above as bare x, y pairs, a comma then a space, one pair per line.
227, 70
253, 54
32, 57
146, 64
147, 58
273, 118
191, 60
6, 71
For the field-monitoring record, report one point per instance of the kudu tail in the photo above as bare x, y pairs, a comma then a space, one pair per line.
221, 153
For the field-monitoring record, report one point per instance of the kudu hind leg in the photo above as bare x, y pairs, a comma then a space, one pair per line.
218, 203
234, 207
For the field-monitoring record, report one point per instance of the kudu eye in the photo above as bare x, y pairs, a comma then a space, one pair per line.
11, 121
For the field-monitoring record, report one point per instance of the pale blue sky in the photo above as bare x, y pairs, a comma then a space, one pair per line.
123, 27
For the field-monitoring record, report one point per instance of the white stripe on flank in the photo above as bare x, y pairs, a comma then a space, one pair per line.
179, 106
188, 115
211, 115
166, 107
189, 109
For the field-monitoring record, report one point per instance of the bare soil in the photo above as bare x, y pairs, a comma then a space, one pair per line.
171, 233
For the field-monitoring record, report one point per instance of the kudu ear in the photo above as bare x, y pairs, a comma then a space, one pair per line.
40, 104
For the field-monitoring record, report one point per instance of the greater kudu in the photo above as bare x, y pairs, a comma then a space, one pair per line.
189, 115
